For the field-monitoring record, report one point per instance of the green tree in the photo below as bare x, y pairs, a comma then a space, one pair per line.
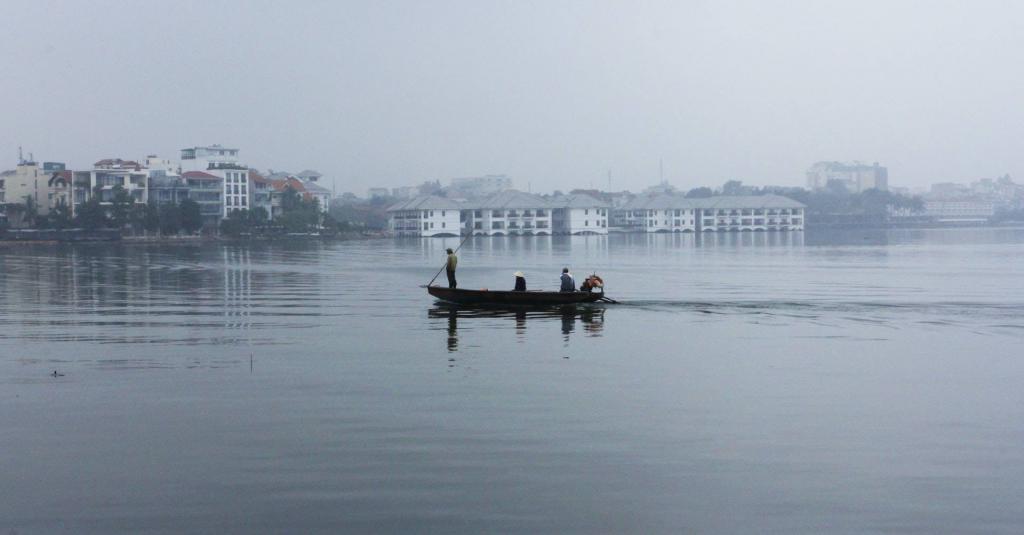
151, 217
31, 211
732, 187
259, 216
91, 214
290, 199
137, 217
60, 216
191, 217
236, 223
700, 193
170, 219
120, 206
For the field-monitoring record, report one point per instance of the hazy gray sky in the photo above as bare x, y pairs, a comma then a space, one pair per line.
550, 93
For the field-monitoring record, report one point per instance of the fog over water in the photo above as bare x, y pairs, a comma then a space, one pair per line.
748, 383
555, 95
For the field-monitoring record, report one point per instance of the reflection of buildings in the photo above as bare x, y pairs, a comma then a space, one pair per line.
237, 287
590, 317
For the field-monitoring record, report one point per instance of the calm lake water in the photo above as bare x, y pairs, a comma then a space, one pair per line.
863, 382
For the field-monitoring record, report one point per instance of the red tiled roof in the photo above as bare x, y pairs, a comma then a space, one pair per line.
295, 183
200, 175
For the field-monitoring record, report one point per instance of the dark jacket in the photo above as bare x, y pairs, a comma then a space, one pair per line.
520, 284
568, 285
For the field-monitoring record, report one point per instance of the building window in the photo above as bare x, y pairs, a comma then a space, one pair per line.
442, 213
425, 226
586, 211
442, 225
586, 223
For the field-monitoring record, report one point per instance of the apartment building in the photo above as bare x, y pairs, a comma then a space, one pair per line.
207, 190
510, 213
222, 162
104, 178
580, 214
426, 216
675, 213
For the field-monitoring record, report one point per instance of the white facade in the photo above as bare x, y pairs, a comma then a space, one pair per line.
510, 213
752, 219
200, 158
960, 210
222, 162
586, 220
675, 213
580, 214
106, 175
510, 221
236, 188
425, 216
161, 166
320, 193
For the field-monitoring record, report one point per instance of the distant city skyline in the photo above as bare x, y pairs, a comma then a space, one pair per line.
552, 95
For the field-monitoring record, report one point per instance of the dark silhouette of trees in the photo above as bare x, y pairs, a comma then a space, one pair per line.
700, 193
190, 216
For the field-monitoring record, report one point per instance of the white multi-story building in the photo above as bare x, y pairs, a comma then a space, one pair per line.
425, 216
749, 213
659, 213
510, 213
855, 177
964, 210
580, 214
222, 162
106, 176
675, 213
162, 166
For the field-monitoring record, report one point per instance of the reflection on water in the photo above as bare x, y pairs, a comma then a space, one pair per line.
590, 316
136, 294
296, 387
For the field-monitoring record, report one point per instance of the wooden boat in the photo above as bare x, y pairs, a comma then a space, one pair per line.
461, 296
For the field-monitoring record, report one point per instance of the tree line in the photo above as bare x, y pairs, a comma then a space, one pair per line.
123, 213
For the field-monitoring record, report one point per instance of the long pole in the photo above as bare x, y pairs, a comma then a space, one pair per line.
438, 274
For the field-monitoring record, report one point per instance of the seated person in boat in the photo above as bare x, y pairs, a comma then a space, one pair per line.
520, 282
591, 282
568, 284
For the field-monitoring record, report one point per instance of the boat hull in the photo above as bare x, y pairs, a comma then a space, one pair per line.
461, 296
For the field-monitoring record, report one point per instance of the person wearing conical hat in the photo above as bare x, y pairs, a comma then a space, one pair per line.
520, 281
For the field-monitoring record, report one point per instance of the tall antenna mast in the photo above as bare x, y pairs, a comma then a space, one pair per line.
661, 169
609, 180
21, 158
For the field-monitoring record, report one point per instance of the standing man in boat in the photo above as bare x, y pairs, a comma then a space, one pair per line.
568, 284
449, 267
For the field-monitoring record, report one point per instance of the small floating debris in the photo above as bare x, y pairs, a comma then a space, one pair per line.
55, 374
